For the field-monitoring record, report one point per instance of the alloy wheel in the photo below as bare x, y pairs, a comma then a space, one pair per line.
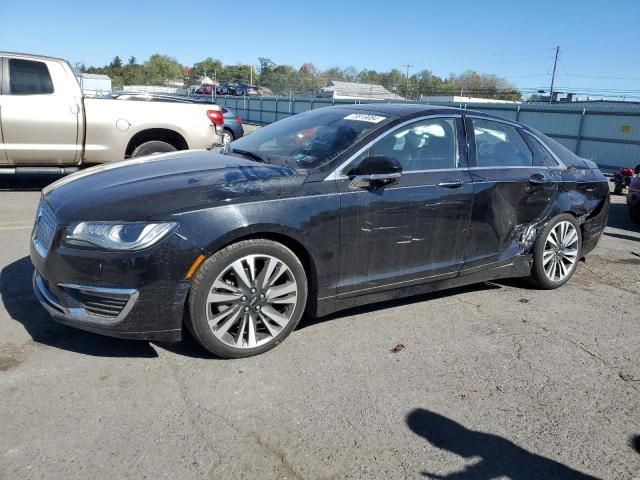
560, 251
251, 301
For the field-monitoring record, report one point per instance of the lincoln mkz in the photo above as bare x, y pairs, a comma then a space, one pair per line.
326, 210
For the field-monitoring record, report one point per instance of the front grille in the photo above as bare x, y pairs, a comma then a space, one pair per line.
45, 228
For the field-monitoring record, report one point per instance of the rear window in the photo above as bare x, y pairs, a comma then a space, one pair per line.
565, 155
27, 77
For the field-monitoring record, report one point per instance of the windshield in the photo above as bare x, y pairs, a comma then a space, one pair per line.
311, 139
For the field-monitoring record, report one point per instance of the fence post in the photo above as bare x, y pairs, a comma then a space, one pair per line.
260, 121
580, 125
276, 115
518, 113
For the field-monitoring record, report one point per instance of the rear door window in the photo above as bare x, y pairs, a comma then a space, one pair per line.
27, 77
541, 156
500, 145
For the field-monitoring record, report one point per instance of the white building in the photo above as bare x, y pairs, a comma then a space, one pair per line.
94, 84
460, 99
339, 90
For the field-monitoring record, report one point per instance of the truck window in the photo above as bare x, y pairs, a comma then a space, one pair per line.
27, 77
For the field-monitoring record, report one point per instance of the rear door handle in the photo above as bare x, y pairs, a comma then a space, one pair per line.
537, 179
451, 184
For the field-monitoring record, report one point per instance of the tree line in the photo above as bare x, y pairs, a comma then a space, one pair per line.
305, 80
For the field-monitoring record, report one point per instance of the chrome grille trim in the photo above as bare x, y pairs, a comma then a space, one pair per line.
44, 229
68, 307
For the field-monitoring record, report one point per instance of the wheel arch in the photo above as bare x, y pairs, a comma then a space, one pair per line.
288, 240
160, 134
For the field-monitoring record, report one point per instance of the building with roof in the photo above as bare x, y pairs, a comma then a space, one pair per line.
460, 99
94, 84
339, 90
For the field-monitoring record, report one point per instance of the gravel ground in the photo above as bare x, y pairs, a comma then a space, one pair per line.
489, 381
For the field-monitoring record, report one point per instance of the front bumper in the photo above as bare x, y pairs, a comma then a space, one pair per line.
593, 227
137, 295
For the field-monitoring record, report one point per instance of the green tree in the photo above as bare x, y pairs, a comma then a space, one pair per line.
209, 66
116, 63
161, 68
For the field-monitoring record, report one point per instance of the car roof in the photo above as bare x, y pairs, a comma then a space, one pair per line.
414, 109
30, 56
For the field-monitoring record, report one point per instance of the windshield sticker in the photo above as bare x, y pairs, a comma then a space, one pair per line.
361, 117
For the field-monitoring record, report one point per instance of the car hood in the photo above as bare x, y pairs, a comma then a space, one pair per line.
157, 186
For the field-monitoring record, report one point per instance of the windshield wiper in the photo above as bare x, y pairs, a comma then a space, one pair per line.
252, 155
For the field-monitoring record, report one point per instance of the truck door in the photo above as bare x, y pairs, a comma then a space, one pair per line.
3, 155
40, 117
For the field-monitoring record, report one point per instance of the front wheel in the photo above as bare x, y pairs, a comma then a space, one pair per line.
247, 298
557, 251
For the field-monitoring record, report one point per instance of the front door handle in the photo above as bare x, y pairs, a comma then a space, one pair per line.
537, 179
451, 184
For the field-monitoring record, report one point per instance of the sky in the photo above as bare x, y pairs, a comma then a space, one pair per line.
599, 41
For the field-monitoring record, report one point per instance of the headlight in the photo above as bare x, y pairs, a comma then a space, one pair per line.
112, 236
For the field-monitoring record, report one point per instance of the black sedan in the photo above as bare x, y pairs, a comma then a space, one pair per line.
326, 210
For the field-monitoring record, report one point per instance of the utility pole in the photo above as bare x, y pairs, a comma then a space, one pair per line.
251, 75
553, 75
408, 67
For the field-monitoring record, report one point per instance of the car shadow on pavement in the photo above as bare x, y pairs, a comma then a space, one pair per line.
27, 182
635, 443
308, 321
499, 457
619, 218
20, 302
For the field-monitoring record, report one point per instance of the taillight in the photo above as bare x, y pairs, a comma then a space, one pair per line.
216, 117
238, 120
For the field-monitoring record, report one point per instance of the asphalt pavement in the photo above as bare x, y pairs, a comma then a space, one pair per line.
494, 380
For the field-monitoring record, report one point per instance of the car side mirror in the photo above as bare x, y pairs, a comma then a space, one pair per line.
376, 171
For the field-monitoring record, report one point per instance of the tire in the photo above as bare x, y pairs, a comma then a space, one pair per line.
151, 147
617, 190
572, 251
227, 136
248, 314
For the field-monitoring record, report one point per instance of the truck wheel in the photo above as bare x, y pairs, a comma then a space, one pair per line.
151, 147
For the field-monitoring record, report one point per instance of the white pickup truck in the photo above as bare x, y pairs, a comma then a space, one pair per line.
47, 126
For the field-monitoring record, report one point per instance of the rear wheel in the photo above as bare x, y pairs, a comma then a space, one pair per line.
247, 298
227, 137
151, 147
557, 251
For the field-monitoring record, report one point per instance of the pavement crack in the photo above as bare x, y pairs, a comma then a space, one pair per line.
587, 351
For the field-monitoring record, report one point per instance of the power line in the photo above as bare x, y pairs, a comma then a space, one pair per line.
599, 76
